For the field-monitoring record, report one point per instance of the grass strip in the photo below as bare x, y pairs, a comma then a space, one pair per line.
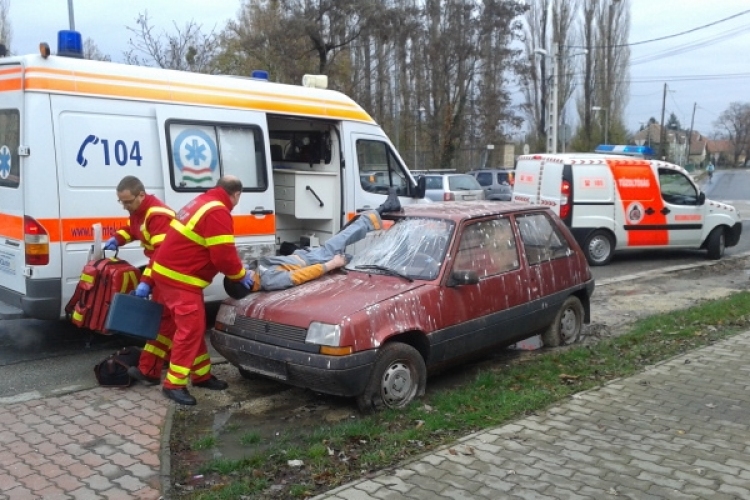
337, 453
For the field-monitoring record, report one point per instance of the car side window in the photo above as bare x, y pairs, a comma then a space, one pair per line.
676, 188
488, 247
484, 178
433, 182
542, 241
379, 168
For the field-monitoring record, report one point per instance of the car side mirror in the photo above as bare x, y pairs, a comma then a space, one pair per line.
421, 187
464, 277
701, 198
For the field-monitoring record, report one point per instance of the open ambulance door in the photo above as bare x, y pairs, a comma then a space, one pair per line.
199, 145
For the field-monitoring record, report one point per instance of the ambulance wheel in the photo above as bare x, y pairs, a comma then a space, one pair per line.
567, 325
398, 376
599, 248
716, 243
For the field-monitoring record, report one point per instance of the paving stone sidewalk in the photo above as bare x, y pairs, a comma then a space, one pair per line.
679, 430
101, 443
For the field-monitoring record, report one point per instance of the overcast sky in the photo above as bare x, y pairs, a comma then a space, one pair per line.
710, 67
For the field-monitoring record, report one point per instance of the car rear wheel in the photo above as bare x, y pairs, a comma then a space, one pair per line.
716, 243
599, 248
398, 376
567, 325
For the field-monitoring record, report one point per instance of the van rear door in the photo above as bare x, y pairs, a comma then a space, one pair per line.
12, 245
199, 145
528, 177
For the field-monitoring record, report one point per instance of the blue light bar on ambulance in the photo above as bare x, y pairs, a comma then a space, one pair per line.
627, 150
69, 44
259, 74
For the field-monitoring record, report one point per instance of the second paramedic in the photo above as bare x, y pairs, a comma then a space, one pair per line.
198, 245
148, 223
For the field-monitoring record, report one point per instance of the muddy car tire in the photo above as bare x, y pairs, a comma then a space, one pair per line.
716, 243
599, 248
567, 325
398, 376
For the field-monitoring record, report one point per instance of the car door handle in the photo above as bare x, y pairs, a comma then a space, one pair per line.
261, 211
665, 211
13, 243
649, 211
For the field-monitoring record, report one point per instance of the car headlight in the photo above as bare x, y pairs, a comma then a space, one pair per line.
226, 314
323, 334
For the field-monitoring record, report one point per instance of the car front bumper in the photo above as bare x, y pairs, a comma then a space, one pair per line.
337, 375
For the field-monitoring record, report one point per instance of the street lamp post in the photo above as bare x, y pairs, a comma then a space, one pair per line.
419, 120
606, 121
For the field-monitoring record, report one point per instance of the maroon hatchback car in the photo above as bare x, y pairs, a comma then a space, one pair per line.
444, 282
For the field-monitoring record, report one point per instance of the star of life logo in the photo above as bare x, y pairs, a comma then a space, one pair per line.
196, 156
5, 160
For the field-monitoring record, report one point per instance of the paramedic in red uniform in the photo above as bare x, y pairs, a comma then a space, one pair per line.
198, 245
148, 223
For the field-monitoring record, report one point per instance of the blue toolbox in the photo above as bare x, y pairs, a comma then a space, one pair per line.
131, 315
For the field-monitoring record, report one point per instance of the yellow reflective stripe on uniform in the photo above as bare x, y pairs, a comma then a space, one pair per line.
200, 212
201, 359
147, 272
125, 235
77, 316
160, 353
157, 238
181, 370
202, 371
160, 210
164, 340
183, 278
191, 235
176, 380
87, 278
219, 240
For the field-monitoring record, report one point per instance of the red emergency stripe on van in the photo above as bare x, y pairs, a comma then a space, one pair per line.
638, 190
11, 226
55, 80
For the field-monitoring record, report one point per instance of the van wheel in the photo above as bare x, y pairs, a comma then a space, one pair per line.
398, 376
599, 248
567, 325
716, 243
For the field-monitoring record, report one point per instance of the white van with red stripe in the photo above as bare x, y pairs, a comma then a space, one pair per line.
70, 129
614, 203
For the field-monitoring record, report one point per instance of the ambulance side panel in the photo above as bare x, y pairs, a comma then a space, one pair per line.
97, 143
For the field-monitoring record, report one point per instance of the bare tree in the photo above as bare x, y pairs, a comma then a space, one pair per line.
6, 30
187, 49
735, 123
91, 51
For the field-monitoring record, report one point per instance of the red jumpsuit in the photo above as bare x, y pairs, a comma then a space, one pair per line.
198, 245
149, 225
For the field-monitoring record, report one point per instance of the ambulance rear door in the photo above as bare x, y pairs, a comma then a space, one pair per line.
199, 145
12, 187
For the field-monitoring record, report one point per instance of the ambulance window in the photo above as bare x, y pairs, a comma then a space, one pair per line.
201, 153
9, 140
542, 240
379, 169
676, 188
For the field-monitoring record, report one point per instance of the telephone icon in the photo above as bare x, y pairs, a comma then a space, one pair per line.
91, 139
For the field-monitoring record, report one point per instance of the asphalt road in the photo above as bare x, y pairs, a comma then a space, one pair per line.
39, 358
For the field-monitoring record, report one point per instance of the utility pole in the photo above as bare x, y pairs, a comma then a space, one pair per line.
690, 135
553, 111
662, 131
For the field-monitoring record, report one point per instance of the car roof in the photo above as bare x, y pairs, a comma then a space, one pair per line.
463, 210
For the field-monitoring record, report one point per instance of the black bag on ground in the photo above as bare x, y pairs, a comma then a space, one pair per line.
113, 371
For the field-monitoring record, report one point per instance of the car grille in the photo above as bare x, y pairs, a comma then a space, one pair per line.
257, 329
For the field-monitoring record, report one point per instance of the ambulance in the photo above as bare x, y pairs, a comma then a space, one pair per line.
615, 202
70, 129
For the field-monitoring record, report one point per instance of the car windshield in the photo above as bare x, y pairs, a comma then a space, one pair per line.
463, 183
413, 247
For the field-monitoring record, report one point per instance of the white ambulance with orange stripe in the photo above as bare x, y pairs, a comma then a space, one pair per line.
70, 129
613, 202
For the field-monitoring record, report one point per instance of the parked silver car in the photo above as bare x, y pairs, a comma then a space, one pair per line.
496, 182
453, 187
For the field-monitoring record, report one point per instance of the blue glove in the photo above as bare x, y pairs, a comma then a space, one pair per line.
142, 290
111, 244
247, 280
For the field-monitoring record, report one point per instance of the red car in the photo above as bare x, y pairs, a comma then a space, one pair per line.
445, 281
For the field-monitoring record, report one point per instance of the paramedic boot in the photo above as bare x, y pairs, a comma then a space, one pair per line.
135, 372
391, 204
212, 383
181, 396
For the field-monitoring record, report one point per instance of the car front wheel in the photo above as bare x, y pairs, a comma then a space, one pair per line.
599, 248
567, 325
398, 376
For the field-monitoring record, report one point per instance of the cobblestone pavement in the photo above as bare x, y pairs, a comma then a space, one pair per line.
98, 443
678, 430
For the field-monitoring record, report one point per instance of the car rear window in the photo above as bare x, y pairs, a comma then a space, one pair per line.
462, 183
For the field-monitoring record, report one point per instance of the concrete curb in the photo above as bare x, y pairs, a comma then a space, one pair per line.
165, 454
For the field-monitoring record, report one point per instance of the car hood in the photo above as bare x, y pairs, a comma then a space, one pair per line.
330, 299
